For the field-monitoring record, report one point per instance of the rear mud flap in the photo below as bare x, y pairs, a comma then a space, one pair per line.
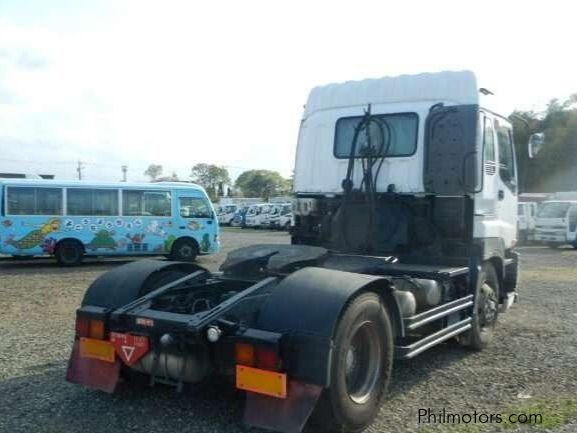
283, 415
94, 373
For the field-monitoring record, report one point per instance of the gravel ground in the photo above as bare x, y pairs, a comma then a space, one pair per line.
531, 367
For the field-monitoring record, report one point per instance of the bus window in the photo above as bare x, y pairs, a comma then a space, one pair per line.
146, 203
99, 202
192, 207
34, 201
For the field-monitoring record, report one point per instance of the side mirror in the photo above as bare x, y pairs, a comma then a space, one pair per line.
536, 143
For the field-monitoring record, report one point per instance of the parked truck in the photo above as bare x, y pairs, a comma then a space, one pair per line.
526, 219
556, 223
405, 223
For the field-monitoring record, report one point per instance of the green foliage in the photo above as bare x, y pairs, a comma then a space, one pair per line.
555, 168
211, 177
172, 178
153, 171
263, 183
205, 244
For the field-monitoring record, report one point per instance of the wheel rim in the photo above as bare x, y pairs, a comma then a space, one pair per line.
487, 307
363, 362
186, 251
70, 253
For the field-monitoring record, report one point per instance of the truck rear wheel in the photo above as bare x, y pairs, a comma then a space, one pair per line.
184, 250
361, 367
485, 310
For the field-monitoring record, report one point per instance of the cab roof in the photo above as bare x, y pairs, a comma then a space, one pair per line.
457, 87
93, 184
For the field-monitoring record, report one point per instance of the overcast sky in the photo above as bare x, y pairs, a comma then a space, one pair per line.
114, 82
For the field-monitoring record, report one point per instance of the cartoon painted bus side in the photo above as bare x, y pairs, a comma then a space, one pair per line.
73, 219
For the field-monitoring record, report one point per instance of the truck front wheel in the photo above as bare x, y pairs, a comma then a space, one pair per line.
361, 367
485, 310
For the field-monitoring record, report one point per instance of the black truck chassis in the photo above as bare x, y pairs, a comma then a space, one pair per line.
268, 319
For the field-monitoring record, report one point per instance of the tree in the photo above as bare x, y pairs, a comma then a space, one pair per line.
212, 177
555, 168
263, 183
172, 178
153, 171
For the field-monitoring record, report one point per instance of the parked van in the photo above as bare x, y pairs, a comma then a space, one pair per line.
257, 215
226, 214
72, 219
556, 223
280, 216
527, 214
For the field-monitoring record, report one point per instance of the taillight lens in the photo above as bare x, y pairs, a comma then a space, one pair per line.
91, 328
263, 357
267, 358
82, 327
244, 354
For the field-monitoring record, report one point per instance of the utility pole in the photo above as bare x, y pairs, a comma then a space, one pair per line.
124, 171
79, 169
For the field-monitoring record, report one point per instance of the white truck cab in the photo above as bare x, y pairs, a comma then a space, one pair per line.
257, 215
226, 214
280, 216
415, 164
556, 223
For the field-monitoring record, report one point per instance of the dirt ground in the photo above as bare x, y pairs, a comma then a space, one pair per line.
530, 369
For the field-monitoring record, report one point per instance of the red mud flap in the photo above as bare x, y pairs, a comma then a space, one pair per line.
97, 374
284, 415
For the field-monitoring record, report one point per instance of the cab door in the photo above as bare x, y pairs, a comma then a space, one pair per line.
196, 219
506, 182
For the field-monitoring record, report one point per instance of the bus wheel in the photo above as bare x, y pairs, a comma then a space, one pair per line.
69, 253
361, 367
184, 250
485, 311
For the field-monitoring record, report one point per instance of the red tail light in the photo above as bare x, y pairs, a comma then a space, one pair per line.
91, 328
82, 327
263, 357
267, 358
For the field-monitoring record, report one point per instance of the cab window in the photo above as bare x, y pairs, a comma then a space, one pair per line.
194, 207
506, 155
488, 141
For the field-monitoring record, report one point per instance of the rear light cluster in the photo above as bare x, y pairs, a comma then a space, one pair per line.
90, 328
263, 357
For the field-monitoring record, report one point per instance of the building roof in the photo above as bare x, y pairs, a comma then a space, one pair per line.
458, 87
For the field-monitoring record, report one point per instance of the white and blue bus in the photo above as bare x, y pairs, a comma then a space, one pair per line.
72, 219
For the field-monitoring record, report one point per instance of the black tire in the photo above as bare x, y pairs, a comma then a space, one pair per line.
69, 253
485, 310
361, 367
184, 250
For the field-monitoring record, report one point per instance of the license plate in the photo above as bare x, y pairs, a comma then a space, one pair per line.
130, 348
96, 349
265, 382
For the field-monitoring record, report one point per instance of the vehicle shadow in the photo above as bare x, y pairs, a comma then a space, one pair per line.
46, 402
48, 264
